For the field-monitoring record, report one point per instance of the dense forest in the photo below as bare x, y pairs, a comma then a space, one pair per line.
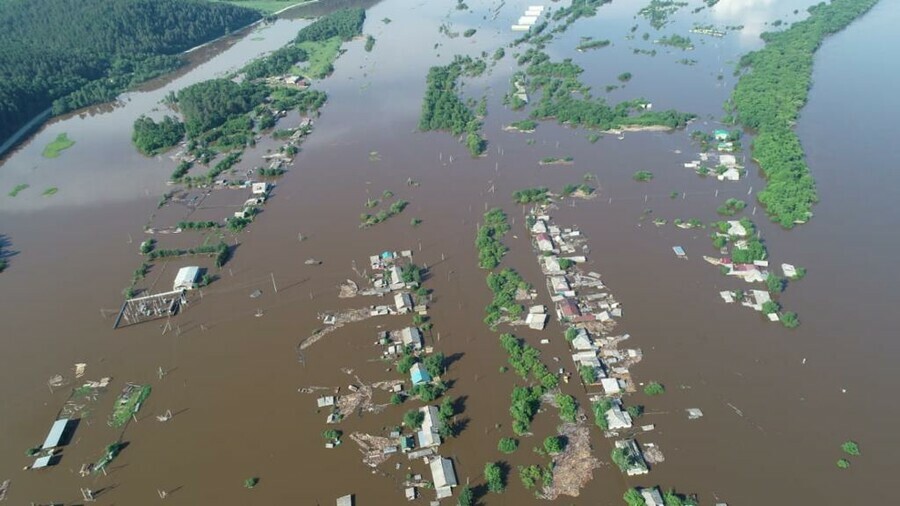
72, 53
345, 23
151, 137
208, 104
442, 109
768, 98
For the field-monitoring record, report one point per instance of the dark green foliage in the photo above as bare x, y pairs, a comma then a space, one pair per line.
76, 53
600, 408
588, 374
151, 137
624, 77
428, 392
524, 405
504, 286
653, 388
768, 98
635, 410
676, 41
332, 434
442, 109
405, 363
370, 43
643, 176
279, 62
344, 23
657, 12
470, 32
526, 360
731, 207
490, 249
397, 399
508, 445
755, 250
413, 418
775, 284
555, 444
434, 364
850, 447
211, 103
790, 320
568, 408
411, 273
466, 497
493, 475
251, 482
531, 195
525, 125
633, 497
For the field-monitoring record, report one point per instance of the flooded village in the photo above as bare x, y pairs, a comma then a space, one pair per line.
352, 310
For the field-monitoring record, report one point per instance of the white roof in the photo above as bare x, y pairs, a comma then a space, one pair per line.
736, 228
652, 497
610, 385
186, 277
527, 20
617, 418
582, 342
442, 473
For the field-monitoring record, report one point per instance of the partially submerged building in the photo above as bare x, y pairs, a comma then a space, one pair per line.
443, 476
429, 433
186, 278
418, 374
411, 336
617, 418
404, 302
652, 497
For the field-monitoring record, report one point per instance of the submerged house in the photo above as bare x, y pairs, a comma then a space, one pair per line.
429, 433
443, 476
411, 336
418, 374
404, 302
617, 418
652, 497
568, 308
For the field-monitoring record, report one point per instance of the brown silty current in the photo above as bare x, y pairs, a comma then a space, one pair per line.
772, 424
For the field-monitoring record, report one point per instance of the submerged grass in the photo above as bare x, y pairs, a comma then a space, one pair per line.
61, 143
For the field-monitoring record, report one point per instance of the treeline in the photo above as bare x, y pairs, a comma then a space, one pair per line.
151, 137
768, 98
208, 104
73, 53
344, 23
490, 248
442, 109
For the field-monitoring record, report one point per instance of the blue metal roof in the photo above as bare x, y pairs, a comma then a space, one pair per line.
418, 374
56, 433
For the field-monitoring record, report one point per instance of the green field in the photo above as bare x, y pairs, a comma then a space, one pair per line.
321, 57
62, 142
267, 6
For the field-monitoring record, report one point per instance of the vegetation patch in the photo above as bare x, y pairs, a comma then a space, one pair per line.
60, 144
768, 97
18, 189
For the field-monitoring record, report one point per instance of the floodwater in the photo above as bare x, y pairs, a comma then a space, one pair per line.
777, 403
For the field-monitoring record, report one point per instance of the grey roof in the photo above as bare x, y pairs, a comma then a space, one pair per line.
56, 433
442, 472
346, 500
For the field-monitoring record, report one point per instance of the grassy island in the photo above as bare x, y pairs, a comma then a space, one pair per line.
60, 144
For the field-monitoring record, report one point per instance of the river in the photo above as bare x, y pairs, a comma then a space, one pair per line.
777, 403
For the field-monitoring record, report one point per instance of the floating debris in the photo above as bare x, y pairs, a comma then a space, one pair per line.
694, 413
574, 467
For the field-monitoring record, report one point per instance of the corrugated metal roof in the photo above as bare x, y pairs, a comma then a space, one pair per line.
56, 433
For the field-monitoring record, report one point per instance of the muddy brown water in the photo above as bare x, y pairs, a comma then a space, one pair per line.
772, 425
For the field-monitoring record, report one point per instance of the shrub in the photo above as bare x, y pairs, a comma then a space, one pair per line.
493, 475
508, 445
555, 444
654, 388
850, 448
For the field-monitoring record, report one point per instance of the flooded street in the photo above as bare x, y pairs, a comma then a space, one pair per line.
777, 403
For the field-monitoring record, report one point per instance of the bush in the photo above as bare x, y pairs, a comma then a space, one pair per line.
850, 448
466, 497
643, 176
653, 388
555, 444
251, 482
568, 408
493, 475
790, 320
397, 399
843, 463
413, 419
332, 434
508, 445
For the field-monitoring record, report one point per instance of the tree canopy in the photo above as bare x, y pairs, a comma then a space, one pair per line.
73, 53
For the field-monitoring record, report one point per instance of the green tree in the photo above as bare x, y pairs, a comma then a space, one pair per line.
493, 475
653, 388
555, 444
413, 419
508, 445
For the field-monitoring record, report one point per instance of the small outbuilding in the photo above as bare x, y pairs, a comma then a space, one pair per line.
187, 278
